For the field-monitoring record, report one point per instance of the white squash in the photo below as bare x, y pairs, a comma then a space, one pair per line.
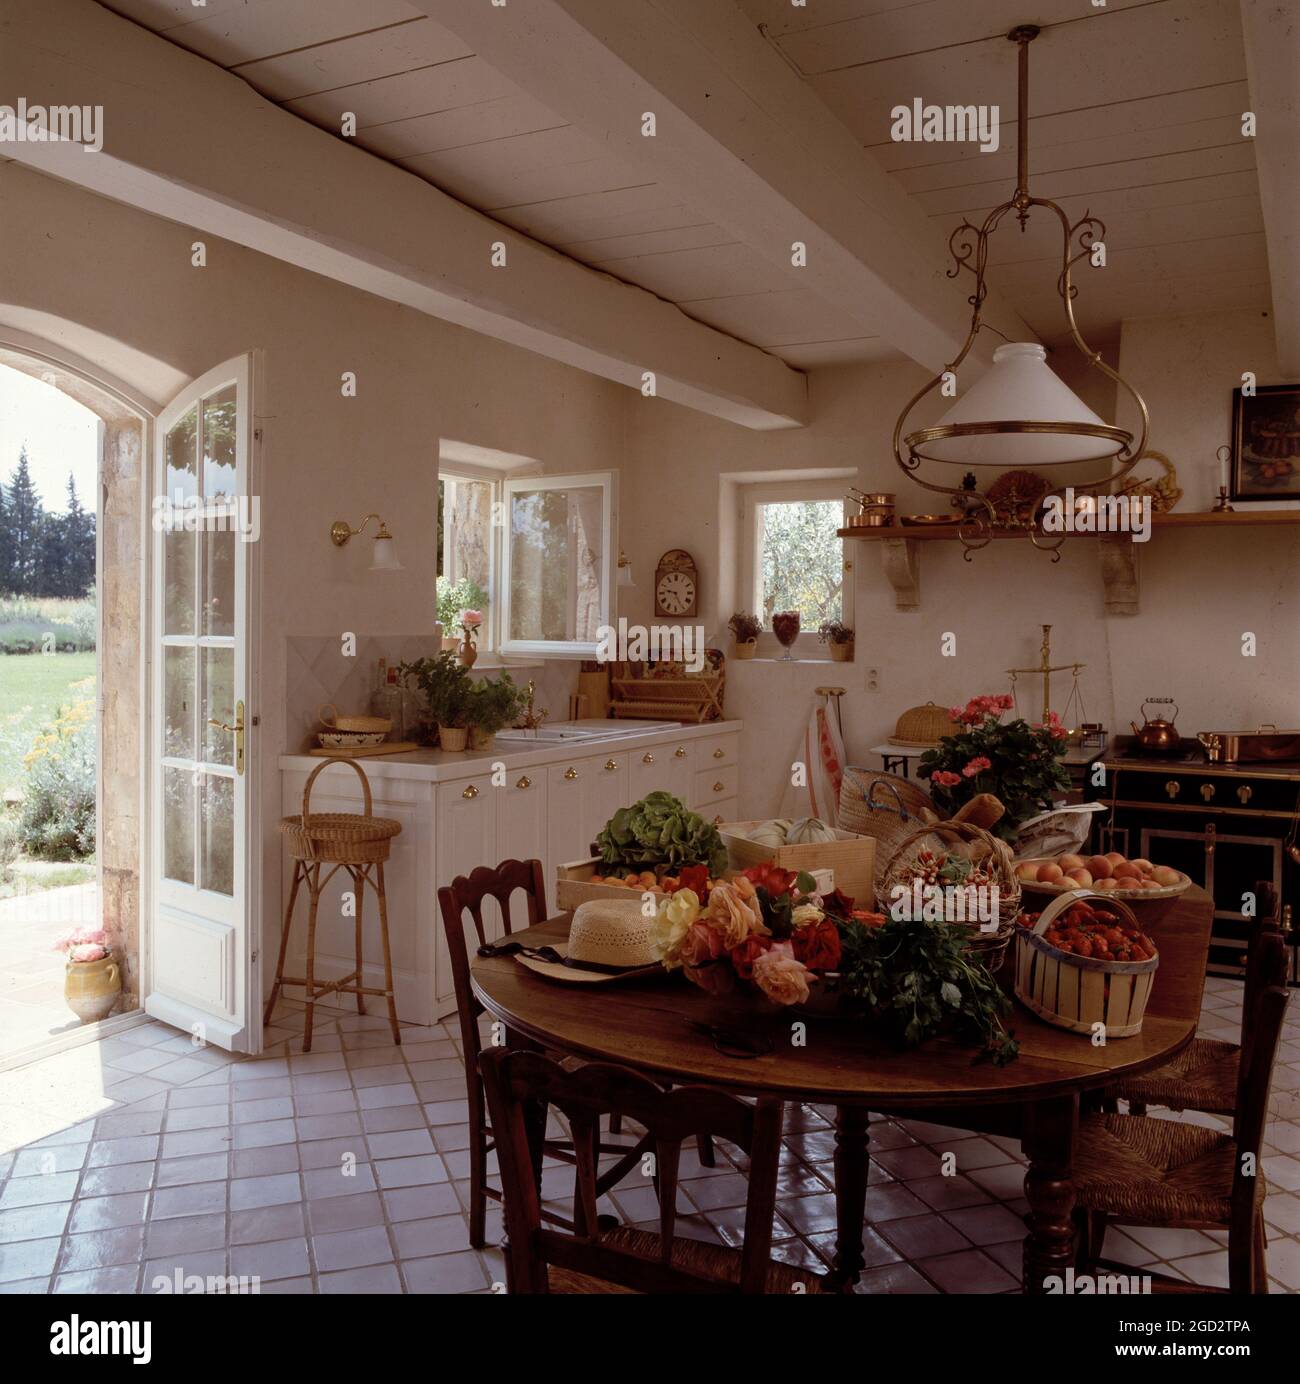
808, 831
771, 833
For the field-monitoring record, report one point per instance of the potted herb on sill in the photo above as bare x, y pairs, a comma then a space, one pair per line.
92, 983
496, 702
745, 629
840, 639
448, 694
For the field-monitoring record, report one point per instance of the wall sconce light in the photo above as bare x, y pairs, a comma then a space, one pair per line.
624, 570
385, 552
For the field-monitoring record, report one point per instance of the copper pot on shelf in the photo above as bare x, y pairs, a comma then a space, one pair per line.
875, 509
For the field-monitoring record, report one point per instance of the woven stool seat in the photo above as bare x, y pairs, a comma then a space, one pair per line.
1139, 1169
1202, 1077
357, 843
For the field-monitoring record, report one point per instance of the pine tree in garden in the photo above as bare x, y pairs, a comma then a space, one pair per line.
6, 547
24, 515
78, 525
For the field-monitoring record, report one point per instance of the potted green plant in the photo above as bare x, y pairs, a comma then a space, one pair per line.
448, 694
840, 638
496, 703
1019, 763
745, 629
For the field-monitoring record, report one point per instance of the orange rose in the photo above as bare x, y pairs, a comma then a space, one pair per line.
736, 917
782, 978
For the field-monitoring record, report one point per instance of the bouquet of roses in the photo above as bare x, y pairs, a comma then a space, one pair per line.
766, 927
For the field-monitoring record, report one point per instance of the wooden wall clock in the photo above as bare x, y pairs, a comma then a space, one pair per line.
677, 584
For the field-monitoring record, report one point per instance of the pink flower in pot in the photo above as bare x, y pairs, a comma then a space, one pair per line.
470, 620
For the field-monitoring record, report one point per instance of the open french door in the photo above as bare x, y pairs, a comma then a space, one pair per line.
202, 919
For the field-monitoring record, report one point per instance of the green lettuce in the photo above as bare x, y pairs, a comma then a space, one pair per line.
661, 830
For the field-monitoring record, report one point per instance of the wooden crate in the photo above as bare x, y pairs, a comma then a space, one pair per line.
851, 858
1079, 992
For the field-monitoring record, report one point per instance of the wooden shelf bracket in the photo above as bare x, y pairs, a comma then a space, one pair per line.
898, 557
1119, 574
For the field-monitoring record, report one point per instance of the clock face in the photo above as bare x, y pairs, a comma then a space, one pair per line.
675, 593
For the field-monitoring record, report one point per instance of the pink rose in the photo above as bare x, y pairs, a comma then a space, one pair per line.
87, 951
735, 916
471, 618
702, 943
780, 977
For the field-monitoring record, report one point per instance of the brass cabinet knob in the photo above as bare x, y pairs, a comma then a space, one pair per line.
570, 772
647, 758
679, 752
1245, 793
1173, 788
718, 787
719, 753
470, 792
611, 764
524, 782
1207, 792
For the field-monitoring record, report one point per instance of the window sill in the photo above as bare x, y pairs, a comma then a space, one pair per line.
818, 662
494, 663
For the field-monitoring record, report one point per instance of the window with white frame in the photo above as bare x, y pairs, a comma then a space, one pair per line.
792, 558
532, 553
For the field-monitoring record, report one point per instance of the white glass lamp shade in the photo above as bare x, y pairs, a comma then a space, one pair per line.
385, 555
1020, 387
625, 574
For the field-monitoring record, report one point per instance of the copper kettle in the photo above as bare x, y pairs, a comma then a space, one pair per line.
1158, 734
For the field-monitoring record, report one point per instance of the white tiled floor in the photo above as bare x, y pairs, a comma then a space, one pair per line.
344, 1171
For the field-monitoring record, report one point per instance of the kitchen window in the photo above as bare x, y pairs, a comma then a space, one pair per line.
792, 558
534, 553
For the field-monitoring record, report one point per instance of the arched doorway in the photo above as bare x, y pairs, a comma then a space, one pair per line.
118, 503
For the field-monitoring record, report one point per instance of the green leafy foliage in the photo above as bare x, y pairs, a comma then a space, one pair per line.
57, 821
496, 703
918, 977
661, 830
802, 560
453, 597
445, 685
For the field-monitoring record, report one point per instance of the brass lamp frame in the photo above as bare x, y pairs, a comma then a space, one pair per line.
969, 246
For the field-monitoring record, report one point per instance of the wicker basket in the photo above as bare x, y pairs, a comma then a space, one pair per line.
365, 724
979, 845
1079, 992
923, 726
346, 838
882, 806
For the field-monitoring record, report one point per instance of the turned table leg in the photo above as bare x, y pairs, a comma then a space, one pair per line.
1050, 1127
851, 1139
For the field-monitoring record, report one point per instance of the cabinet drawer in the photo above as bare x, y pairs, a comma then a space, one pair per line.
714, 750
714, 784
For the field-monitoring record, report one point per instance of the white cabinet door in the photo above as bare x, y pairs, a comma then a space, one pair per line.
522, 823
606, 791
465, 830
650, 770
582, 795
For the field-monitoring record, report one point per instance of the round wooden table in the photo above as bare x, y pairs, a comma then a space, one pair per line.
649, 1025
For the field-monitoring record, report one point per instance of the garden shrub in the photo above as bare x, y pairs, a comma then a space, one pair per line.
58, 811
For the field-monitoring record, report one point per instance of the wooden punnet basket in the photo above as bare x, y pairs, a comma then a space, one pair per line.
1076, 992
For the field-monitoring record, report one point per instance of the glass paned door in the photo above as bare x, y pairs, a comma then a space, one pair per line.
202, 915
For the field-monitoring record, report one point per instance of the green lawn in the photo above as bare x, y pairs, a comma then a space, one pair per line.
32, 687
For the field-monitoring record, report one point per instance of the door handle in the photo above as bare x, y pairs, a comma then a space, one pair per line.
470, 792
679, 752
719, 753
237, 730
1211, 839
718, 787
647, 758
570, 772
611, 764
524, 782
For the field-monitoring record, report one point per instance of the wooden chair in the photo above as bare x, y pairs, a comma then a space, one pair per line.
625, 1260
1205, 1075
1141, 1171
466, 895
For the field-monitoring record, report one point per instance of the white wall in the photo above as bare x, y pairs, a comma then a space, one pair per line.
1200, 589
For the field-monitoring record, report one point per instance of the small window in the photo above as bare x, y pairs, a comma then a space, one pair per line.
556, 564
793, 559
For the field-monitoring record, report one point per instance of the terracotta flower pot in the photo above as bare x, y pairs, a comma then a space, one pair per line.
842, 653
480, 739
91, 988
468, 653
746, 650
453, 738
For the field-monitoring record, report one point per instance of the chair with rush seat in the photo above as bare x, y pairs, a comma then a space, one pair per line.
1204, 1075
358, 843
591, 1259
1137, 1170
467, 894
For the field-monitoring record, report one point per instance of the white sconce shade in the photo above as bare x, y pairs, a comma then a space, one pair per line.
1020, 387
624, 570
385, 558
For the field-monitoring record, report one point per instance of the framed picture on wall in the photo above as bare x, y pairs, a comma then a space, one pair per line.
1266, 444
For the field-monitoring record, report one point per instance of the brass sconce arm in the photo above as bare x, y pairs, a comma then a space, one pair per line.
340, 531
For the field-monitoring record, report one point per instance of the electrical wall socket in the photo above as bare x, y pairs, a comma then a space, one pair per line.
873, 679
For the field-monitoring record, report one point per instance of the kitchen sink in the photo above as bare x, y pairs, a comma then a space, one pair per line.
569, 731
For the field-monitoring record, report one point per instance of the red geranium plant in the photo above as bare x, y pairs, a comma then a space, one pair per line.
1017, 761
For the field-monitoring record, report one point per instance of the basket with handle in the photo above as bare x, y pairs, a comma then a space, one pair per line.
882, 806
346, 838
982, 849
1080, 992
366, 725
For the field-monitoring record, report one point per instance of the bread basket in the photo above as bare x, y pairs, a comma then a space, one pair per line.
923, 726
365, 725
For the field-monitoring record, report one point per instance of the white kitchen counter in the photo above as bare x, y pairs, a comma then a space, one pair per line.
436, 766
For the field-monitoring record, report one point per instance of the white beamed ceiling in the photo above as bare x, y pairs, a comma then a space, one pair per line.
1135, 106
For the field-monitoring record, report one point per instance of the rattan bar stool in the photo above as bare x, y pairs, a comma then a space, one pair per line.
355, 842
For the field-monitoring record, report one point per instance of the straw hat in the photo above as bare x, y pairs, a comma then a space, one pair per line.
604, 932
